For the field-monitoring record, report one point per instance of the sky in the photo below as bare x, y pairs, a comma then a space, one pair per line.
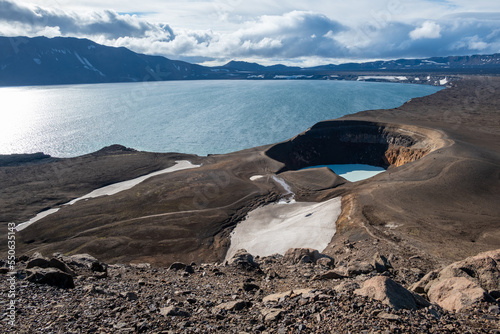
294, 32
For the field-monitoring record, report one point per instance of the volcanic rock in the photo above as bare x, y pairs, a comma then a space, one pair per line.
381, 263
56, 263
271, 315
244, 260
236, 305
173, 311
40, 262
50, 276
456, 293
390, 293
462, 283
177, 266
358, 268
331, 274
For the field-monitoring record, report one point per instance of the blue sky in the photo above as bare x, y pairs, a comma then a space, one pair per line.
296, 32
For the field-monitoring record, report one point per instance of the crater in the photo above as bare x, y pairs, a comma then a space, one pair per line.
356, 142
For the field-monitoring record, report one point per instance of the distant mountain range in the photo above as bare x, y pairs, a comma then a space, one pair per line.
64, 60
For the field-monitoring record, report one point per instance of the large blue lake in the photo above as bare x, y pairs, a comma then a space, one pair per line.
198, 117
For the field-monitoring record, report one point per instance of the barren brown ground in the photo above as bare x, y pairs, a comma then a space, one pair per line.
438, 200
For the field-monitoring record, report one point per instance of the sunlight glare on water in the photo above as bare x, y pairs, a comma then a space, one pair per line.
18, 116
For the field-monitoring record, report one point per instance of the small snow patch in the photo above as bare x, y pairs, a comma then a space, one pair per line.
382, 77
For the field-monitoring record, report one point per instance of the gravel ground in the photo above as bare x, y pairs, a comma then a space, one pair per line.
218, 298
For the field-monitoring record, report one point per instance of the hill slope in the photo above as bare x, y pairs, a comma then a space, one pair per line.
65, 60
41, 60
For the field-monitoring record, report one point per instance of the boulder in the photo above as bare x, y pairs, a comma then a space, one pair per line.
306, 255
80, 260
358, 268
50, 276
346, 286
56, 263
326, 262
99, 266
296, 255
177, 266
388, 316
173, 311
236, 305
331, 274
462, 283
39, 262
380, 263
390, 293
36, 255
243, 259
23, 258
129, 295
99, 269
271, 314
421, 286
248, 287
483, 269
456, 293
275, 297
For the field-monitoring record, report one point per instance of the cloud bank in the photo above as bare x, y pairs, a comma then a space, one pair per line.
298, 36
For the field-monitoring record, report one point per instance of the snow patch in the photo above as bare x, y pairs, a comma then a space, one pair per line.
382, 77
125, 185
285, 186
39, 216
80, 59
391, 225
277, 227
111, 190
87, 62
292, 77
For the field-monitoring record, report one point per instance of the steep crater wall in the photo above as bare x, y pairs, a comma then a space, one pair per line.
356, 142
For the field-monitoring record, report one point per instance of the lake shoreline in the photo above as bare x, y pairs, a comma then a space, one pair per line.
160, 117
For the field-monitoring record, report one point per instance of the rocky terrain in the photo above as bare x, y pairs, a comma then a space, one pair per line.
436, 204
301, 292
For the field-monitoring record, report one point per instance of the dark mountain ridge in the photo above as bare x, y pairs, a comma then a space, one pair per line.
66, 60
41, 60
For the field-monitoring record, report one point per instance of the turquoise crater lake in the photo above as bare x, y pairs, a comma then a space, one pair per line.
353, 172
199, 117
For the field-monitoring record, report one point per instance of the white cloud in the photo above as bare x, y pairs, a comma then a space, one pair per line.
106, 23
49, 32
268, 31
427, 30
471, 43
